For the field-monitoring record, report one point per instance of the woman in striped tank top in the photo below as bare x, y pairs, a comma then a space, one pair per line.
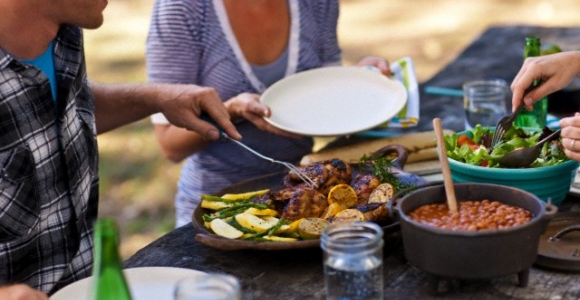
239, 48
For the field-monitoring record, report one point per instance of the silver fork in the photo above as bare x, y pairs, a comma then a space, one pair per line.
288, 165
504, 125
506, 122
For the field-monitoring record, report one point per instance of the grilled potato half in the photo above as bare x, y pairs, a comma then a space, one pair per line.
311, 228
382, 193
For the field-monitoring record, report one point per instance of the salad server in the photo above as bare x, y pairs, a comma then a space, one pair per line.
524, 157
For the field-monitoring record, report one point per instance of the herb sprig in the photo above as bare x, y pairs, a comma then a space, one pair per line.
381, 168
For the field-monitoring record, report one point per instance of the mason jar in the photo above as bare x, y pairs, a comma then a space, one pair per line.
353, 261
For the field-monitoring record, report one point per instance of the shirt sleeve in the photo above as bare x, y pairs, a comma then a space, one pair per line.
173, 42
171, 47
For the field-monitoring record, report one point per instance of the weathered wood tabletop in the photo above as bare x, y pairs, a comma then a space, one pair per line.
298, 274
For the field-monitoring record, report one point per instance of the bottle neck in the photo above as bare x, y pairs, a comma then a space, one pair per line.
532, 47
106, 250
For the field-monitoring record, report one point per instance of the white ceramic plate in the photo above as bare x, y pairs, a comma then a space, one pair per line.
333, 101
148, 283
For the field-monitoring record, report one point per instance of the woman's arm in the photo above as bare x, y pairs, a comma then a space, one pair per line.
177, 143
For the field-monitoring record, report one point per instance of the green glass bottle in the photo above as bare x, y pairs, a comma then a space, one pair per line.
108, 279
535, 118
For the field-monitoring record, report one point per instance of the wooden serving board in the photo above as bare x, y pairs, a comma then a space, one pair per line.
420, 146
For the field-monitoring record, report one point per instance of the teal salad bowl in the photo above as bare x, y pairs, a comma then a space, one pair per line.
547, 182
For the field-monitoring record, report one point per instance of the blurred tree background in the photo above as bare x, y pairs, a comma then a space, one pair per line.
138, 184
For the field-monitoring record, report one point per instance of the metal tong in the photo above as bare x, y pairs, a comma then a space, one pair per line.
288, 165
293, 168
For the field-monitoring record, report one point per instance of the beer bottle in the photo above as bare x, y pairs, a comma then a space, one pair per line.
535, 118
108, 279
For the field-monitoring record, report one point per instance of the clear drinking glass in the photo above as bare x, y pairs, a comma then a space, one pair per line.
353, 261
208, 286
484, 102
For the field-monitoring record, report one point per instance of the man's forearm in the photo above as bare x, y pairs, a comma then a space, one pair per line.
182, 104
120, 104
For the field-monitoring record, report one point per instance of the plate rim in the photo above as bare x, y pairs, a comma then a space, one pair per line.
131, 274
395, 85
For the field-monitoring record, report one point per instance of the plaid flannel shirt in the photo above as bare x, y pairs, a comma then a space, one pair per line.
48, 169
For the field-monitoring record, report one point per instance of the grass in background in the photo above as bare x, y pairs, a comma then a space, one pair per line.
137, 185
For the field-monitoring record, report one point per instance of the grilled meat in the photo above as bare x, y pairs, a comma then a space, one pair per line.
325, 174
274, 202
300, 202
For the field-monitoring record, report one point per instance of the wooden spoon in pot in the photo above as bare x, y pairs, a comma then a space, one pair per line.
447, 181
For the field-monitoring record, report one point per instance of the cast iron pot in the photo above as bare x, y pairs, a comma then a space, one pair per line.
473, 255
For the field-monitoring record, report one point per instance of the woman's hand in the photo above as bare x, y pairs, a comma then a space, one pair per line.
248, 106
571, 136
555, 71
377, 62
21, 292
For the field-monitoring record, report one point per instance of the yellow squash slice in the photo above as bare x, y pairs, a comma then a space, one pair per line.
284, 229
247, 195
292, 227
215, 205
261, 212
276, 238
221, 228
255, 223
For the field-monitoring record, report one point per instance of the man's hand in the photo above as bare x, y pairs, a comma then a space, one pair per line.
21, 292
186, 104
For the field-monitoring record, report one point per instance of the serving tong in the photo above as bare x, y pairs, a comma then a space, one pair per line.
288, 165
204, 116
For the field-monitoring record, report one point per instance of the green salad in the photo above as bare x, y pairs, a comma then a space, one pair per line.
473, 146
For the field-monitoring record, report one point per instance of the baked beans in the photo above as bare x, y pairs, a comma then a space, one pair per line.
471, 215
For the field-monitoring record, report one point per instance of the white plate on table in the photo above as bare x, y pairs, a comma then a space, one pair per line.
147, 283
333, 101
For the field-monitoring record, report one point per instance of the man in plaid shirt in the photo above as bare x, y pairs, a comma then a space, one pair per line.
49, 117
